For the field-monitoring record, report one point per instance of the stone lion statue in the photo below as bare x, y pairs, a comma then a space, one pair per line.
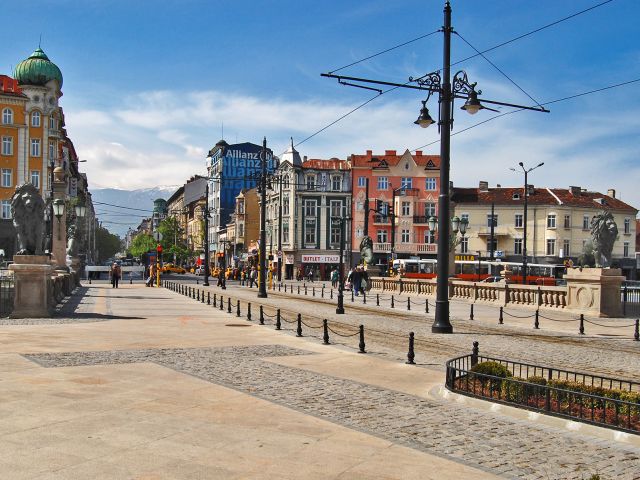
72, 241
27, 211
366, 250
604, 233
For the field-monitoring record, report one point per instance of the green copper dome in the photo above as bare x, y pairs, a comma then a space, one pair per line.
37, 70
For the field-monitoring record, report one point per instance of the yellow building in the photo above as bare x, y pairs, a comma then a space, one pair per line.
558, 223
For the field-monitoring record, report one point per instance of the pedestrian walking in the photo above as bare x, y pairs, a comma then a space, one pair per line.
152, 275
356, 280
310, 274
253, 277
334, 277
115, 273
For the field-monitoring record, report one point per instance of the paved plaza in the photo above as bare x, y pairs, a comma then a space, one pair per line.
144, 383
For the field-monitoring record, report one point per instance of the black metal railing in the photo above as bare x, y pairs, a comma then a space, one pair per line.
630, 298
603, 401
421, 219
381, 219
7, 289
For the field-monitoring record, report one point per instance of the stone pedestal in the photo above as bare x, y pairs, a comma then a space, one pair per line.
32, 275
76, 267
595, 291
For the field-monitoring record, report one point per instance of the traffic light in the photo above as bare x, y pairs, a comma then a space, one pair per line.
379, 206
390, 211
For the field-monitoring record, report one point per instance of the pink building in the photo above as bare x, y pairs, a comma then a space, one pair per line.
409, 182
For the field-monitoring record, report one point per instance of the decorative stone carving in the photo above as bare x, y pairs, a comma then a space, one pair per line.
32, 296
594, 291
604, 232
72, 241
27, 210
366, 250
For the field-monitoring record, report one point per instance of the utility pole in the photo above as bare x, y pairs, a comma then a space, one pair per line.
206, 236
493, 224
280, 254
366, 207
262, 271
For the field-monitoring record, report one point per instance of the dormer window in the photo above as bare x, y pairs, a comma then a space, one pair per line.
311, 182
516, 196
336, 183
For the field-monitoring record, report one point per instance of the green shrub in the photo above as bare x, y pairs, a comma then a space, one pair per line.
494, 369
513, 391
537, 380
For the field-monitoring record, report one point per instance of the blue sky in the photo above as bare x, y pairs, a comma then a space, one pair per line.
147, 85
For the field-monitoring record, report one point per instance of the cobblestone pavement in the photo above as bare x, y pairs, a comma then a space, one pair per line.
610, 356
506, 447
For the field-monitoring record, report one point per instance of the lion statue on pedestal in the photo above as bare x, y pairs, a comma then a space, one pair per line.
366, 250
604, 233
27, 211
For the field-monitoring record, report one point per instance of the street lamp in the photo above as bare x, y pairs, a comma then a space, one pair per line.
340, 307
526, 195
457, 225
58, 211
81, 210
440, 82
206, 211
262, 280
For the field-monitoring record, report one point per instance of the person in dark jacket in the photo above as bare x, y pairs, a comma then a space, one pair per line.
356, 279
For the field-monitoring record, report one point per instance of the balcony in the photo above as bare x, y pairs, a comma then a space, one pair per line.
381, 219
412, 248
421, 219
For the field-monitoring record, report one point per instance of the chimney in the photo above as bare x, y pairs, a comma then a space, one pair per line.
483, 186
304, 159
575, 190
498, 186
418, 153
390, 153
611, 193
369, 153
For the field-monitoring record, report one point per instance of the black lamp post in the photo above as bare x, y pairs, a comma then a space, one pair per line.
262, 283
58, 211
205, 213
447, 92
340, 307
526, 196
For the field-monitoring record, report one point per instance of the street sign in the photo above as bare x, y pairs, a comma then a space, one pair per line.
157, 236
279, 253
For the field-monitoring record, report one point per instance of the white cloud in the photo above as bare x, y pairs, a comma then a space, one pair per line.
162, 138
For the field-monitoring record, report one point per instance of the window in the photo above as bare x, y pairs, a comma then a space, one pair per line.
35, 147
310, 208
35, 178
336, 208
6, 177
335, 234
6, 209
430, 210
311, 182
464, 245
285, 232
362, 181
52, 150
406, 182
567, 221
384, 209
551, 220
310, 232
404, 237
495, 220
627, 225
585, 222
551, 246
7, 116
566, 248
430, 183
429, 237
492, 244
383, 183
285, 206
518, 221
7, 145
382, 236
336, 183
52, 123
35, 119
517, 246
406, 208
625, 249
286, 182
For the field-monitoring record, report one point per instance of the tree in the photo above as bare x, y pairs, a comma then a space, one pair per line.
141, 244
173, 240
107, 244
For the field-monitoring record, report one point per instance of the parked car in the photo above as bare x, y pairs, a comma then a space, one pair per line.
493, 279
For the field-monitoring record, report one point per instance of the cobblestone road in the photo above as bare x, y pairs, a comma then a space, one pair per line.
510, 448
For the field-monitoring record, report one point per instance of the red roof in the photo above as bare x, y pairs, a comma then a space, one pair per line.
392, 158
540, 196
9, 86
331, 164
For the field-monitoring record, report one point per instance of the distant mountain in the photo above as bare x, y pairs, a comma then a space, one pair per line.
138, 204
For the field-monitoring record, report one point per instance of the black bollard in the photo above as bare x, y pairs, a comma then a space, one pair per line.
322, 292
426, 305
197, 281
221, 303
411, 353
474, 354
352, 298
298, 289
471, 313
408, 303
278, 325
89, 279
377, 299
331, 294
325, 335
305, 290
393, 305
536, 322
299, 328
581, 324
238, 308
279, 287
361, 344
249, 312
364, 297
208, 298
261, 315
636, 334
500, 319
215, 300
228, 304
130, 280
313, 292
202, 297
